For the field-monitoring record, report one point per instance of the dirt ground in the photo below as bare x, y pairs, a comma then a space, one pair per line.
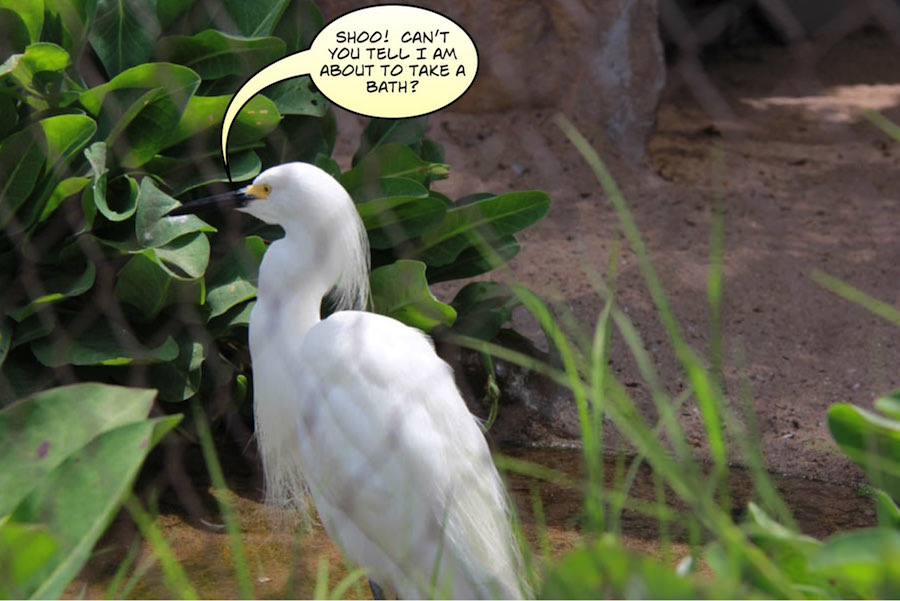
808, 184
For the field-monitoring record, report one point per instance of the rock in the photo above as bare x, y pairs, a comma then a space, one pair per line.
599, 62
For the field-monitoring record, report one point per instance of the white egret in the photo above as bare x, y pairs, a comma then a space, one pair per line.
359, 410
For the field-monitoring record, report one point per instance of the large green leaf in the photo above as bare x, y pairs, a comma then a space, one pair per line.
21, 163
39, 432
391, 160
185, 258
213, 54
400, 291
123, 33
184, 176
80, 498
257, 18
31, 12
152, 229
378, 132
204, 114
298, 96
38, 152
861, 564
139, 109
483, 221
235, 280
395, 209
871, 440
103, 344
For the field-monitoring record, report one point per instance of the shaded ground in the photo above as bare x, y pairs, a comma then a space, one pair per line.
807, 183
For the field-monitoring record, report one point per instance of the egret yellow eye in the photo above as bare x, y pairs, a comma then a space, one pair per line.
260, 191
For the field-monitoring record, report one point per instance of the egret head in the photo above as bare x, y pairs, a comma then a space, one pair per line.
317, 215
298, 196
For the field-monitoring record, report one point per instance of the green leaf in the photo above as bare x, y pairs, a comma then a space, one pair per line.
378, 132
400, 291
38, 151
395, 209
384, 187
254, 19
483, 221
179, 380
139, 108
125, 190
31, 12
391, 160
123, 33
185, 258
148, 286
25, 552
63, 190
608, 570
889, 404
482, 308
863, 563
14, 30
64, 284
151, 228
102, 344
204, 114
396, 219
789, 549
213, 54
21, 163
184, 177
471, 262
298, 96
33, 69
872, 441
39, 432
169, 10
235, 280
67, 23
81, 497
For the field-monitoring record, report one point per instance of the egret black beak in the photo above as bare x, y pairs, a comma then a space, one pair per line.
227, 200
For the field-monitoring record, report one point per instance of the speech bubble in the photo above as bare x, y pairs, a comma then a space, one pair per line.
390, 61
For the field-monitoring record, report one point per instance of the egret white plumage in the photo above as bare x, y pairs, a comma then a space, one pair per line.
359, 410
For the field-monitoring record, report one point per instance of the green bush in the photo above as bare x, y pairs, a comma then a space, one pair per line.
108, 111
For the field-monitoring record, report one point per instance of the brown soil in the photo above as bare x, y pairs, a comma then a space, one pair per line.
807, 182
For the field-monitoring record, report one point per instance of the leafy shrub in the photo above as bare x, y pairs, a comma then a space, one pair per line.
110, 110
